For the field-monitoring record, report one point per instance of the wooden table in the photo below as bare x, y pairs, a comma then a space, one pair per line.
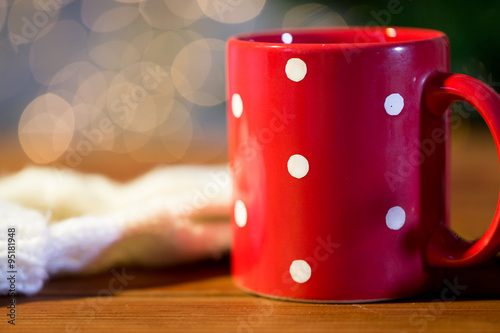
200, 297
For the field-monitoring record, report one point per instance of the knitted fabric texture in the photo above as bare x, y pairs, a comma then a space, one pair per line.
74, 223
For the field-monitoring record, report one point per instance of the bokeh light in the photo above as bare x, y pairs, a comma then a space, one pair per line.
120, 48
176, 119
49, 5
92, 87
144, 80
138, 75
140, 97
312, 15
92, 125
30, 20
236, 11
106, 16
114, 54
165, 47
131, 75
46, 128
186, 9
129, 1
74, 80
168, 14
198, 71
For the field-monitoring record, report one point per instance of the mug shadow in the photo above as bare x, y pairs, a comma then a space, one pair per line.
129, 279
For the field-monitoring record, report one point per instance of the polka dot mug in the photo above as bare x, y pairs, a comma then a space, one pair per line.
339, 151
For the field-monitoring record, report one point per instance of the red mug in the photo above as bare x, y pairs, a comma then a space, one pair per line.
339, 152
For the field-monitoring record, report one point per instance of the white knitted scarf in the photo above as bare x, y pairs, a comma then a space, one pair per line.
66, 222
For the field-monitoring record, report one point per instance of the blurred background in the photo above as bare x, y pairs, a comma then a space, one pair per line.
89, 83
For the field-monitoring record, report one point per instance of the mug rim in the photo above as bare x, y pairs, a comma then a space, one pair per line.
351, 36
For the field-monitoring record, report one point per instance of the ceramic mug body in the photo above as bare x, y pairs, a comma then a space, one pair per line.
340, 168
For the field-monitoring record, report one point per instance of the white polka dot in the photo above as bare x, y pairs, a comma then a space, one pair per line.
298, 166
286, 38
300, 271
295, 69
394, 103
395, 218
237, 105
240, 213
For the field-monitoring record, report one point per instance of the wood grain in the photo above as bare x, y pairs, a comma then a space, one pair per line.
200, 297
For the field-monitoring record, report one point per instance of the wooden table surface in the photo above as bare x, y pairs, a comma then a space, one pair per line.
200, 297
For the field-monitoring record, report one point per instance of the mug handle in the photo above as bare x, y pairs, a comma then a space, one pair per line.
445, 248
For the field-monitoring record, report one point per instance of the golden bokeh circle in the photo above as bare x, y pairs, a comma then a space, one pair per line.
46, 128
